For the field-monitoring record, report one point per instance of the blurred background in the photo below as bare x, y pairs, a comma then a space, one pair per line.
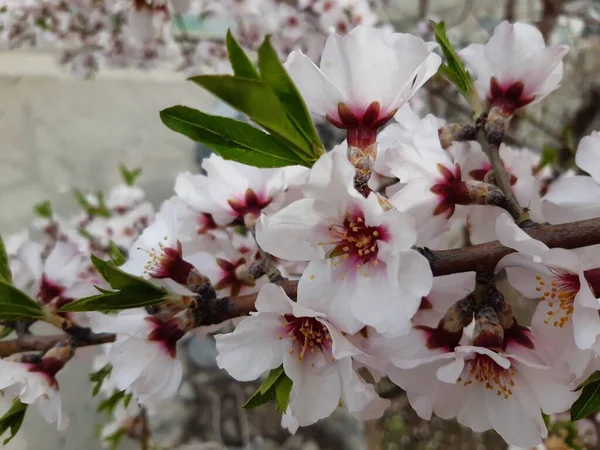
59, 131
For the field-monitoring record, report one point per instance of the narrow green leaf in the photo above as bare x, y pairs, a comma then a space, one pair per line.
98, 377
549, 157
240, 63
274, 74
121, 280
270, 380
258, 100
43, 209
587, 403
231, 139
116, 255
283, 390
13, 419
114, 440
99, 210
100, 266
5, 273
15, 304
454, 68
116, 301
129, 176
259, 399
589, 380
108, 405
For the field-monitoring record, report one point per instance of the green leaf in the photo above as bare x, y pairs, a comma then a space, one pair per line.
274, 74
231, 139
549, 157
13, 419
587, 403
455, 70
277, 386
99, 377
130, 176
5, 273
589, 380
91, 210
43, 209
121, 280
15, 304
283, 390
258, 100
116, 301
5, 331
270, 380
116, 255
100, 266
108, 405
114, 440
240, 63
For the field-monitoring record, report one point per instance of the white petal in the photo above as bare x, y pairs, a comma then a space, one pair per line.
252, 348
577, 197
588, 155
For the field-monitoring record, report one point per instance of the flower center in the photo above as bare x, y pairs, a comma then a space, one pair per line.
168, 262
49, 290
508, 97
251, 203
167, 333
234, 276
450, 190
306, 334
486, 371
355, 240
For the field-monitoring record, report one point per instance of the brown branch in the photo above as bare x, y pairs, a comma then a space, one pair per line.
477, 258
551, 9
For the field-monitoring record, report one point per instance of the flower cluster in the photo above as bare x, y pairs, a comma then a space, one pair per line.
145, 33
334, 268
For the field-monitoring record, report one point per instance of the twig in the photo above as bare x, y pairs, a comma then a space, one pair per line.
478, 258
145, 436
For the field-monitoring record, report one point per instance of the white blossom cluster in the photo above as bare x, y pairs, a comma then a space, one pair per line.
366, 298
144, 33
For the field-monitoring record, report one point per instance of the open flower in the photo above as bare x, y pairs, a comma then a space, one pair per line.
362, 269
577, 197
314, 354
363, 78
144, 355
515, 68
35, 383
567, 282
230, 190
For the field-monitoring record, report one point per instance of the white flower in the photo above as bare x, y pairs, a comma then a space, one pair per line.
362, 269
230, 190
34, 384
515, 67
434, 185
505, 389
577, 197
566, 282
314, 354
364, 77
144, 355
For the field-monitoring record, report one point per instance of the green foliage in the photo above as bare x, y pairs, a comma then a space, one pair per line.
277, 386
98, 377
114, 440
588, 402
13, 419
240, 63
274, 74
92, 210
268, 98
43, 209
130, 176
5, 273
231, 139
116, 255
454, 69
15, 304
131, 291
109, 404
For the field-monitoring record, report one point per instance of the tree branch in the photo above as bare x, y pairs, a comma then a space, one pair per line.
478, 258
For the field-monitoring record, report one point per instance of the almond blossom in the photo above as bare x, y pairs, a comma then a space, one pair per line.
567, 282
314, 354
577, 197
515, 68
362, 269
144, 356
363, 78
